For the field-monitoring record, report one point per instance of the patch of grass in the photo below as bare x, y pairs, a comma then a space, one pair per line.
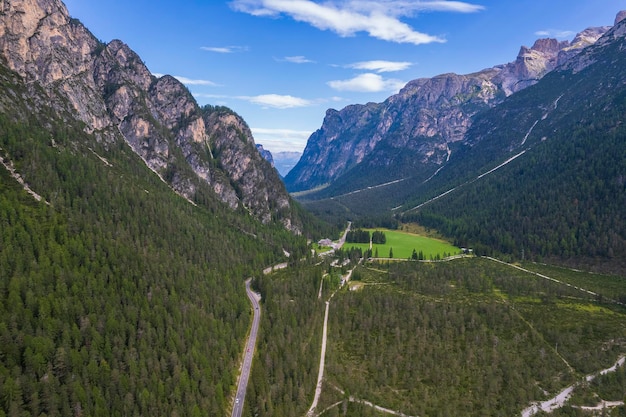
320, 249
403, 243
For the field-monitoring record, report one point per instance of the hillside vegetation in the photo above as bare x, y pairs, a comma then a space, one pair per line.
539, 176
117, 296
465, 338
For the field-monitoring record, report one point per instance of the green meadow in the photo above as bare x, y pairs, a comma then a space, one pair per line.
403, 243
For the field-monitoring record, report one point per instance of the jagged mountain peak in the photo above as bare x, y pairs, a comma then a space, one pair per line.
584, 57
426, 118
546, 46
110, 89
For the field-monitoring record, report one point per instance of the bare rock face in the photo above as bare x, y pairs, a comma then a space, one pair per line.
425, 117
585, 57
582, 40
531, 65
239, 158
40, 42
109, 88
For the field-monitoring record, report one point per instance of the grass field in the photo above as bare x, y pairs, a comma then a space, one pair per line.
403, 243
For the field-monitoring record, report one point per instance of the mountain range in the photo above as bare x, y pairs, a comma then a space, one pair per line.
109, 89
131, 217
413, 133
534, 173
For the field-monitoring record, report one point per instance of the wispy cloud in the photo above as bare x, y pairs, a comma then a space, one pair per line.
380, 19
189, 81
407, 7
278, 101
555, 33
367, 83
381, 66
282, 133
224, 49
299, 59
281, 140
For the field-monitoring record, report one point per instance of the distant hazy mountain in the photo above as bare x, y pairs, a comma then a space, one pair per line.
285, 161
413, 133
282, 161
267, 155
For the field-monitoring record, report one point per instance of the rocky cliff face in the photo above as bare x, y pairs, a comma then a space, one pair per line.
110, 90
265, 154
424, 119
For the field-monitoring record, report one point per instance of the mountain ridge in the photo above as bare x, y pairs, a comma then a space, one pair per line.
539, 176
109, 89
427, 118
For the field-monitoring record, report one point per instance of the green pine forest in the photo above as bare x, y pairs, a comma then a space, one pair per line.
120, 298
117, 297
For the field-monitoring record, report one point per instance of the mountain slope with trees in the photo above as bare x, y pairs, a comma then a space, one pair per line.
122, 259
565, 196
116, 294
110, 90
539, 176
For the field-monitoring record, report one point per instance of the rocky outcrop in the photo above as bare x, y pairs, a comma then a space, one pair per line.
267, 155
40, 42
587, 57
425, 118
110, 90
239, 159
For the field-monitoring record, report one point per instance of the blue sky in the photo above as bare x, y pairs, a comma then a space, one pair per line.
281, 64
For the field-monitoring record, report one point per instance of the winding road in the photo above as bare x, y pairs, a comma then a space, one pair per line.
249, 352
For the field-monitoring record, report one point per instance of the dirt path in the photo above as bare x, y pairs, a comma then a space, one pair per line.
562, 397
552, 279
365, 402
320, 374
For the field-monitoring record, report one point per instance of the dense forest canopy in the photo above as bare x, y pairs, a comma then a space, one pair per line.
117, 296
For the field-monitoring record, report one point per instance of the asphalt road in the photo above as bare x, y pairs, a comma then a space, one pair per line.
248, 353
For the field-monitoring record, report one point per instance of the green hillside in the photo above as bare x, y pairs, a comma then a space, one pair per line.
117, 296
540, 176
466, 337
565, 196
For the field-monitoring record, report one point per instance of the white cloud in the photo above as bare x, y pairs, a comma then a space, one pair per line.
188, 81
224, 49
278, 101
381, 66
367, 83
407, 8
555, 33
346, 18
281, 140
299, 59
282, 133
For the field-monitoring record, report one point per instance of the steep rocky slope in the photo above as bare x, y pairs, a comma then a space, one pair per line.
413, 132
110, 90
542, 174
